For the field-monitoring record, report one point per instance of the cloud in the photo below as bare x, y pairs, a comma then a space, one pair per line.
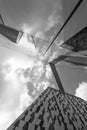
14, 101
14, 98
54, 19
27, 46
48, 72
24, 80
52, 22
5, 119
25, 101
43, 84
81, 91
36, 88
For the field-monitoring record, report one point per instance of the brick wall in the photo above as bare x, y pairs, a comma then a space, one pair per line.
53, 110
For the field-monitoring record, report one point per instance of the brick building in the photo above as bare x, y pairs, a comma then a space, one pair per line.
53, 110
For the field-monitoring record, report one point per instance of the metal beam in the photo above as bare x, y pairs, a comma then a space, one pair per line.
57, 78
1, 20
61, 57
78, 61
55, 72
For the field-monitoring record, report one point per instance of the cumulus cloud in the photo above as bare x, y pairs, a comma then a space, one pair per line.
81, 91
14, 102
5, 119
26, 45
48, 72
54, 19
14, 98
43, 84
18, 93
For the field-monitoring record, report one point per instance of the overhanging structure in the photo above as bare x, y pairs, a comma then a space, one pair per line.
55, 72
78, 42
10, 33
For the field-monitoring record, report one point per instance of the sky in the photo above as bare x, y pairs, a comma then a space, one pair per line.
24, 69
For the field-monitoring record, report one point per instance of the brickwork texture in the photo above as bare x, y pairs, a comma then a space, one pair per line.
53, 110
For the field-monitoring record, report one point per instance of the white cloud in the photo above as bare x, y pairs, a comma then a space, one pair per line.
25, 101
43, 84
14, 98
27, 46
53, 56
40, 35
81, 91
5, 119
48, 72
26, 28
14, 101
54, 19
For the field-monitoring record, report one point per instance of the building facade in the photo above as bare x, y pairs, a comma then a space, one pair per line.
78, 42
53, 110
